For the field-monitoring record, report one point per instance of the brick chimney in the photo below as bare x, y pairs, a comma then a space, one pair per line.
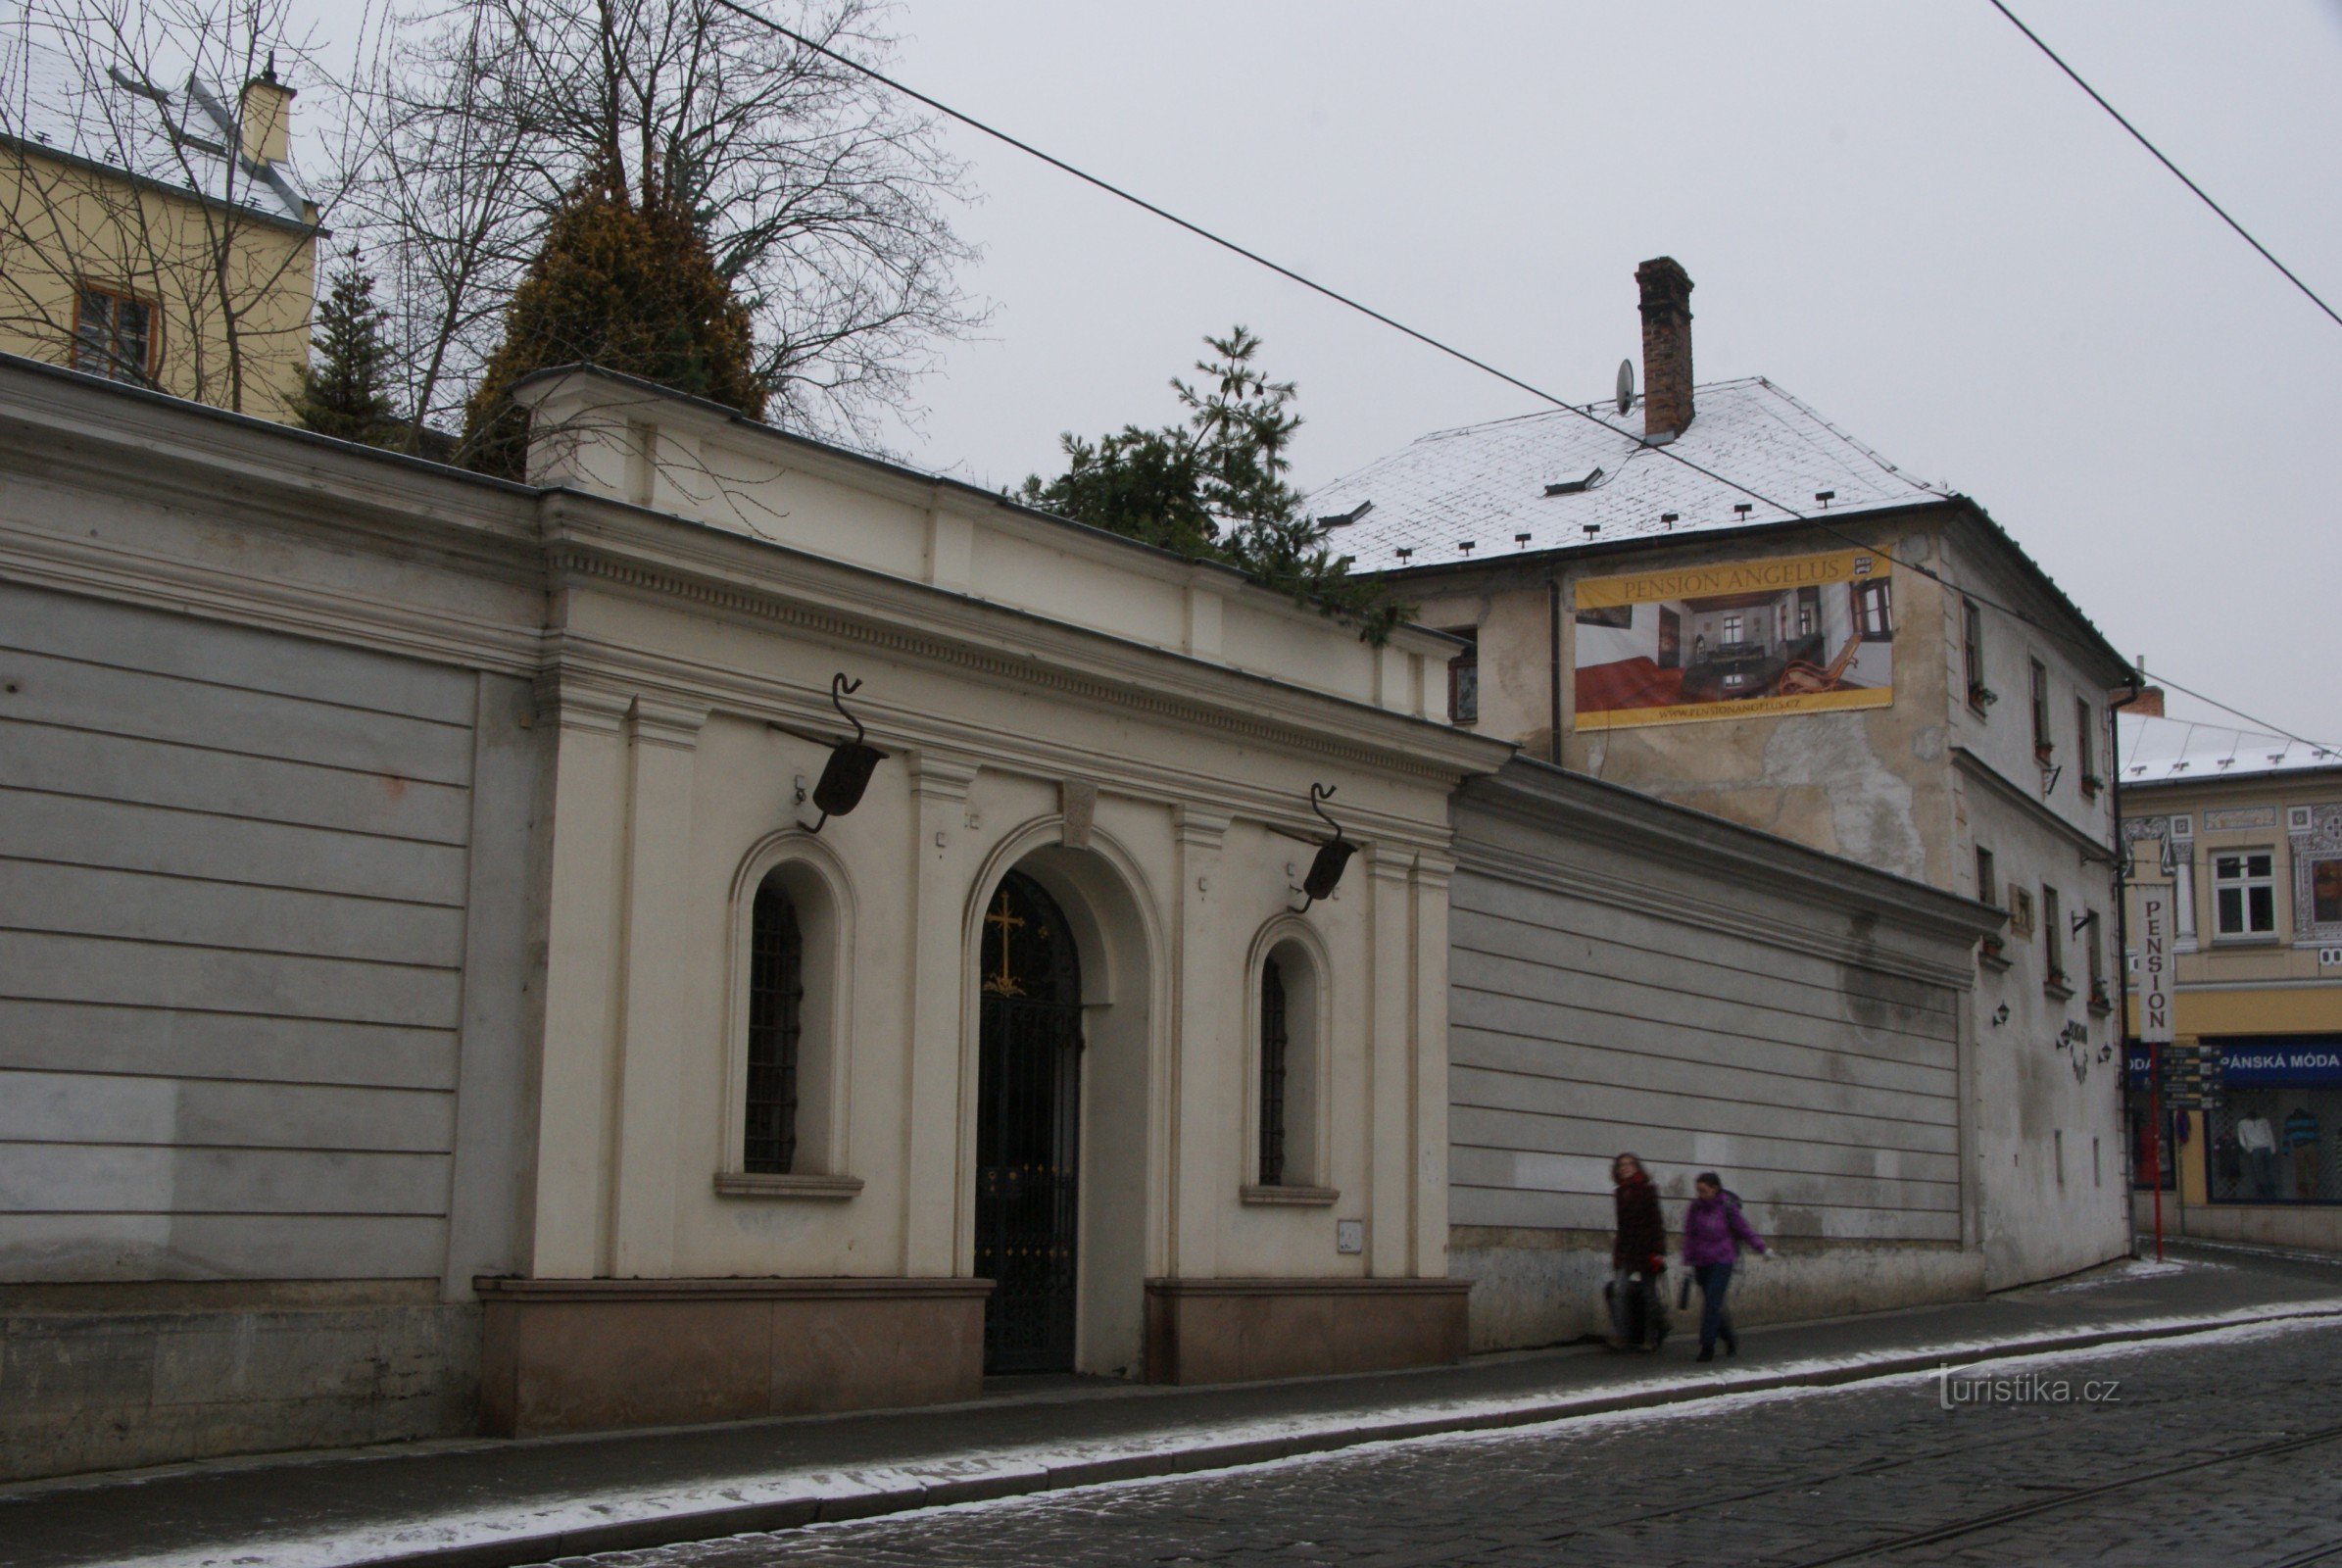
1666, 346
264, 117
2147, 704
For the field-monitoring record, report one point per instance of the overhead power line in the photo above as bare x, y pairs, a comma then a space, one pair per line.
2277, 730
2140, 137
738, 7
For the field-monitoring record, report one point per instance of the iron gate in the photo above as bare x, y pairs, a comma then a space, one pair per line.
1028, 1131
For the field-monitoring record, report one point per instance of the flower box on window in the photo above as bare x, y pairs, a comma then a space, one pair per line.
2091, 784
2102, 1000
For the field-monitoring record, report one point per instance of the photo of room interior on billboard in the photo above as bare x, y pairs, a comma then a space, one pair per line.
1791, 634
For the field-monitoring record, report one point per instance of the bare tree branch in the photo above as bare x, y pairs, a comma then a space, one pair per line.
824, 203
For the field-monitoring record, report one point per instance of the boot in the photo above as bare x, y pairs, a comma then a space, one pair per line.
1732, 1343
1707, 1352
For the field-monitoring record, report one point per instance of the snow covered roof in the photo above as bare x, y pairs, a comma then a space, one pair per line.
1570, 481
186, 137
2174, 751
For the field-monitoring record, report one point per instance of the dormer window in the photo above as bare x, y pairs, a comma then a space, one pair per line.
1577, 486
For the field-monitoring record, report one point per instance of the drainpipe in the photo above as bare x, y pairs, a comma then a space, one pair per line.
2114, 795
1553, 674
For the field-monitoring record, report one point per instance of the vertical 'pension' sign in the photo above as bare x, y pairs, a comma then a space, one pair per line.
2155, 962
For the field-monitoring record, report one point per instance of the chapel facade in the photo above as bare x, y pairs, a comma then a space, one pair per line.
729, 928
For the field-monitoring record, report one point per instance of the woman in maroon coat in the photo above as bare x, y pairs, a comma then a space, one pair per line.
1636, 1257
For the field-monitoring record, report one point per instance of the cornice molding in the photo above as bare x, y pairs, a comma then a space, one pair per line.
1976, 768
1510, 865
1707, 847
1312, 722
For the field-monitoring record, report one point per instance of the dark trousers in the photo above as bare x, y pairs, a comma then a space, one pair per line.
1714, 1280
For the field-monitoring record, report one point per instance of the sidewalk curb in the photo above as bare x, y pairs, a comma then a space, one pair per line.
677, 1529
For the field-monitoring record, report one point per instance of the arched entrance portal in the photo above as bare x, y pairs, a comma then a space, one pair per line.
1028, 1130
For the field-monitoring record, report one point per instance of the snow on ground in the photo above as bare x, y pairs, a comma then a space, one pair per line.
2136, 1268
1701, 1395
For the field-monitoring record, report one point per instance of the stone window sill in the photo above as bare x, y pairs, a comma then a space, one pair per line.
757, 1184
2254, 939
1992, 959
2057, 991
1289, 1196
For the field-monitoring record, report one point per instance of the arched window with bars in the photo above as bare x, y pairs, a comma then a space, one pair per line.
787, 1029
1285, 1146
1275, 1043
775, 1030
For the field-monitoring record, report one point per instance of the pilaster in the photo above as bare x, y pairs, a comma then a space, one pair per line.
585, 826
1203, 1050
663, 741
1390, 1098
1427, 1060
935, 1240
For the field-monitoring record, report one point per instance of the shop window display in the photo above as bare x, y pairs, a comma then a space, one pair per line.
2276, 1134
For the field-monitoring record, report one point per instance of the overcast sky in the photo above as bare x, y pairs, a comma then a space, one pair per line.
1902, 213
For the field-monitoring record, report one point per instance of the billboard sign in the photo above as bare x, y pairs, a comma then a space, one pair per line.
1739, 639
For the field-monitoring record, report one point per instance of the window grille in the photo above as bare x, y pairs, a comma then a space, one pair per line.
1272, 1074
775, 1003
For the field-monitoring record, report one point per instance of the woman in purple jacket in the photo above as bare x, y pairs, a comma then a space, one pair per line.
1713, 1235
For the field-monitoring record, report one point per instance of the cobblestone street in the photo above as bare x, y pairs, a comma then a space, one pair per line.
2224, 1449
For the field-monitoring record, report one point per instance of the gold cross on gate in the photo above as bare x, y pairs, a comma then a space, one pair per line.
1004, 984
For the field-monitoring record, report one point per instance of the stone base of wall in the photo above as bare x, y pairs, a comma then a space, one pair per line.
1544, 1287
589, 1355
2314, 1227
1237, 1330
116, 1380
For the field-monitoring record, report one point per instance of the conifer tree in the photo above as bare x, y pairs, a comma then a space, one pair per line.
1215, 489
624, 286
344, 388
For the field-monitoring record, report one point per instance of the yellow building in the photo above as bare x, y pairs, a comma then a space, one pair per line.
2247, 831
153, 235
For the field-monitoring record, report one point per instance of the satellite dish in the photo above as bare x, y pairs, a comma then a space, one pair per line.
1626, 385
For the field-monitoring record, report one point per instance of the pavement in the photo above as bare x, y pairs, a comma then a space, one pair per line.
483, 1504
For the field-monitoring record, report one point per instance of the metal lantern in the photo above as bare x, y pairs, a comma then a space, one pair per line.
847, 773
1332, 855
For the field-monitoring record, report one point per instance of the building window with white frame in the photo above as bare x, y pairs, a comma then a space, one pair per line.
2244, 892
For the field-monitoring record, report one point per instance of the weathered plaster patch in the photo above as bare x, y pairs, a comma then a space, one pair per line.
1870, 806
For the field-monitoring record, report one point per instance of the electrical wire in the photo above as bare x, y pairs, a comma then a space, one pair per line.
1338, 297
2140, 137
2267, 727
742, 9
